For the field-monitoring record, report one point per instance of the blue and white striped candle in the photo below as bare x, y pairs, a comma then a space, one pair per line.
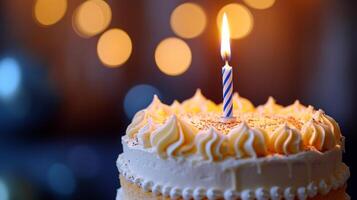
227, 91
226, 70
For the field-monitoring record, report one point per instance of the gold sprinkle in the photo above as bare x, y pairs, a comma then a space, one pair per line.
267, 122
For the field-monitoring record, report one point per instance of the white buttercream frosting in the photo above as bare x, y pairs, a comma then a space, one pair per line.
186, 151
231, 195
199, 193
187, 193
189, 179
285, 140
312, 189
301, 193
262, 194
318, 135
210, 145
276, 193
138, 122
289, 193
144, 134
325, 119
247, 142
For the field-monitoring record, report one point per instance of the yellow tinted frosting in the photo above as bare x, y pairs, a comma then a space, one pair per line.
144, 134
294, 108
307, 114
298, 111
320, 116
247, 142
176, 107
189, 133
285, 140
210, 145
158, 111
270, 107
195, 128
241, 104
137, 123
199, 103
318, 135
172, 138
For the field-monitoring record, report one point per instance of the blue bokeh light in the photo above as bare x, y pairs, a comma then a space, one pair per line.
84, 161
138, 98
10, 77
61, 179
4, 191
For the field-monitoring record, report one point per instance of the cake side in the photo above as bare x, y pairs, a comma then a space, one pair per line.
268, 152
133, 192
299, 175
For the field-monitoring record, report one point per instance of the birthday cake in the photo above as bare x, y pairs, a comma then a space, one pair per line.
187, 151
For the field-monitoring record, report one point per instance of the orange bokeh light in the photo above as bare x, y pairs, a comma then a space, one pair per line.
114, 47
188, 20
173, 56
91, 18
49, 12
260, 4
240, 20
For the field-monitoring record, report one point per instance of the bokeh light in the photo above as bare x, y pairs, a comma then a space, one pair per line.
61, 179
173, 56
188, 20
4, 191
240, 20
91, 17
260, 4
138, 98
84, 161
49, 12
10, 77
114, 47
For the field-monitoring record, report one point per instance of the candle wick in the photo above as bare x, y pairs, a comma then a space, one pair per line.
227, 63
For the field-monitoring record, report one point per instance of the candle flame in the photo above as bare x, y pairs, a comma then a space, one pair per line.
225, 39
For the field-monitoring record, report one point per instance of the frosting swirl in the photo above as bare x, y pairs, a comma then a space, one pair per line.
158, 111
306, 115
137, 123
270, 107
241, 104
176, 107
189, 133
210, 144
296, 107
298, 111
320, 116
199, 103
318, 135
194, 128
247, 142
144, 134
285, 140
173, 138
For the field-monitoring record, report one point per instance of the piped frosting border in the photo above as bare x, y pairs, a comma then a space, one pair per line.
324, 186
172, 132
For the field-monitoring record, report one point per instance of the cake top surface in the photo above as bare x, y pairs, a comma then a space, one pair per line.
270, 122
195, 128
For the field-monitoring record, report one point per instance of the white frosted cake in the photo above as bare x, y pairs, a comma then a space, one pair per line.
186, 151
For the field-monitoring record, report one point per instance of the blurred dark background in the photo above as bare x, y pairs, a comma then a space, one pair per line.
67, 94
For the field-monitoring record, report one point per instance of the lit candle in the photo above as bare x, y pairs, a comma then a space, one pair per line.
226, 71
